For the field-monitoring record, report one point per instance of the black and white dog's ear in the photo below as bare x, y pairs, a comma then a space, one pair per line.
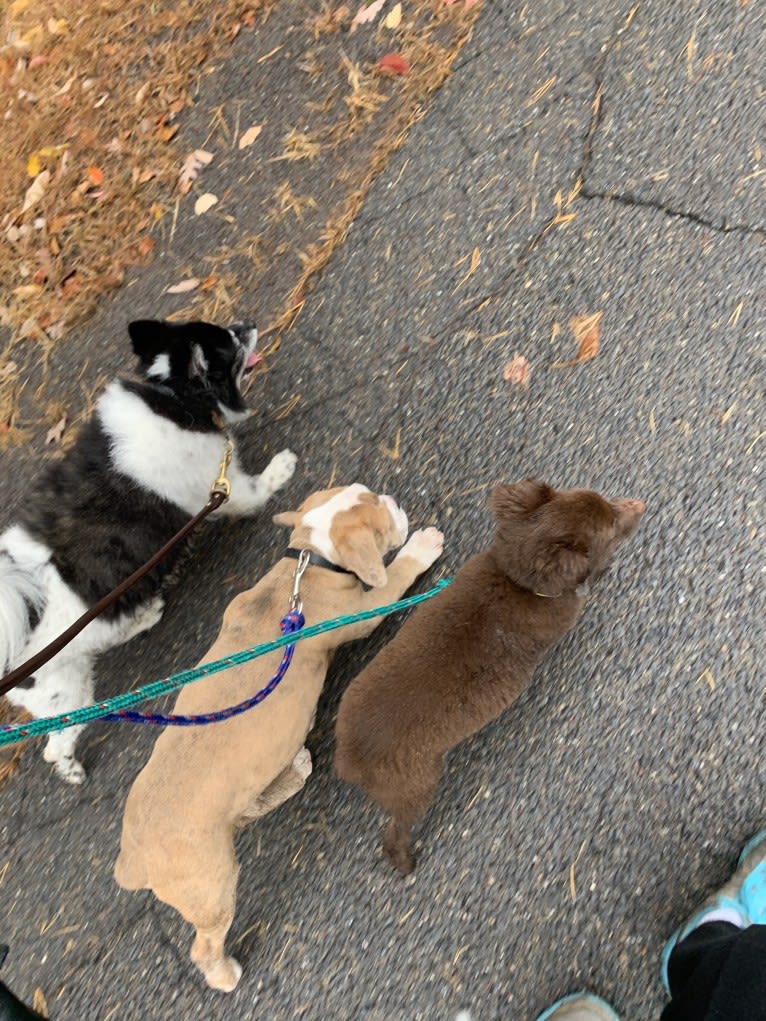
198, 365
149, 337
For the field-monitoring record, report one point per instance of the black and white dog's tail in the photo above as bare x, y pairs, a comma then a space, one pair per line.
21, 600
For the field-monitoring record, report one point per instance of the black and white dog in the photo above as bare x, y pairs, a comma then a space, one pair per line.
139, 469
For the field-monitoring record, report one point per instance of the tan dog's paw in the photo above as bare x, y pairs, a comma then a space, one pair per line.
425, 545
302, 763
224, 976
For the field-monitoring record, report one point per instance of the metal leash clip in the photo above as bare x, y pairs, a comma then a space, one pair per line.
296, 603
222, 484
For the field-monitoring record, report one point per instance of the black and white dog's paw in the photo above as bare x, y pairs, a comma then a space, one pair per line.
67, 766
279, 471
150, 614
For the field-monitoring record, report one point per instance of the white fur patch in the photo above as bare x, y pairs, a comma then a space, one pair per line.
66, 681
21, 585
160, 367
398, 516
25, 550
177, 464
320, 519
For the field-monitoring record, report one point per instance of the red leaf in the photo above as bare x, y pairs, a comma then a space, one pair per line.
96, 175
394, 62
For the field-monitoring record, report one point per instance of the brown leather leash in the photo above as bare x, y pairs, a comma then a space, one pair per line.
220, 492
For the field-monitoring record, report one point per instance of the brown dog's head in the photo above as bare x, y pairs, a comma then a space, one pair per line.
350, 526
553, 541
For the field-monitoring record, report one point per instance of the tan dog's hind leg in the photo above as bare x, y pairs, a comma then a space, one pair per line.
203, 889
221, 972
288, 783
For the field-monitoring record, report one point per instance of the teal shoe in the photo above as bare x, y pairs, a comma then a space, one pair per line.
579, 1007
744, 893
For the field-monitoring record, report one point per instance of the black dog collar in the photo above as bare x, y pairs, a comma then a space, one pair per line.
317, 560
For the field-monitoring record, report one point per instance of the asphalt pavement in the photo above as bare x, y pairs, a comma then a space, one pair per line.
598, 158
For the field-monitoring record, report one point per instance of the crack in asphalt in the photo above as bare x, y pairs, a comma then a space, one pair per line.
635, 202
578, 181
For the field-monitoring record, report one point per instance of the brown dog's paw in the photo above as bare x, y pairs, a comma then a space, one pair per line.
402, 859
397, 846
426, 546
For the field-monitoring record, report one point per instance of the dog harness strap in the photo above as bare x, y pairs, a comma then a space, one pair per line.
317, 560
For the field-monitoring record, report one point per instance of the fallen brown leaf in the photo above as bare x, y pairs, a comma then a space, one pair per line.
185, 285
205, 202
586, 330
394, 17
517, 371
55, 433
191, 167
39, 1003
145, 245
36, 190
368, 13
250, 136
394, 62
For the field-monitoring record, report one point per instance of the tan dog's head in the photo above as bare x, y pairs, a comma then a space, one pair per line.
350, 526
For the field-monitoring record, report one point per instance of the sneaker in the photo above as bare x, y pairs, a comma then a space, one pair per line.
579, 1007
743, 897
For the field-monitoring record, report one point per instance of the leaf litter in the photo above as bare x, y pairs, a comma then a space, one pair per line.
89, 100
365, 123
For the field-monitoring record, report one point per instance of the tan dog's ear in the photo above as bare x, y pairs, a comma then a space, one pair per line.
288, 519
359, 554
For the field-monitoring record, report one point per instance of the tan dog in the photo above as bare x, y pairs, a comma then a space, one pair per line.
200, 783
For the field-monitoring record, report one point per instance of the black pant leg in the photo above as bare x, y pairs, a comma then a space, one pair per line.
718, 973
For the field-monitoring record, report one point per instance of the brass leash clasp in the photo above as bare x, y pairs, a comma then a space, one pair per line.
222, 484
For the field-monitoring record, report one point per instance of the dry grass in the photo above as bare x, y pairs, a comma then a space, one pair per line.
91, 101
10, 754
369, 122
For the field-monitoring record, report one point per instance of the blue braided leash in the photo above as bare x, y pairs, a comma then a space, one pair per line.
290, 623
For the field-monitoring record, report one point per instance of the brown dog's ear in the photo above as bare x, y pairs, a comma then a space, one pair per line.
288, 519
560, 567
358, 552
519, 498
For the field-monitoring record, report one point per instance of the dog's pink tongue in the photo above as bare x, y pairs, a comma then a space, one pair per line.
252, 359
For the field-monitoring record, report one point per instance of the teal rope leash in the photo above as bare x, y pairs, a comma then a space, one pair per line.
12, 733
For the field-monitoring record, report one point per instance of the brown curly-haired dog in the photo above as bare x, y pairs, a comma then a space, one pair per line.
464, 656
